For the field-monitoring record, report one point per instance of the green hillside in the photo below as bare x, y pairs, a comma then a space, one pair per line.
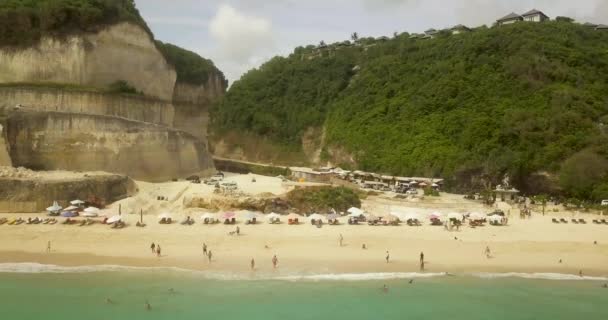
516, 100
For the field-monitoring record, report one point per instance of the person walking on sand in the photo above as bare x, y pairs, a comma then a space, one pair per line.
153, 247
204, 249
238, 231
209, 255
48, 247
158, 252
275, 261
340, 240
421, 261
252, 264
388, 257
488, 252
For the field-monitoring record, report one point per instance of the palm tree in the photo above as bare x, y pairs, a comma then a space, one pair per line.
355, 37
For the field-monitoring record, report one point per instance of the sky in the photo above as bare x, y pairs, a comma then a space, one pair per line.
239, 35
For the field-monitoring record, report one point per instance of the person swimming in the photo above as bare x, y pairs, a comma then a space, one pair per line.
148, 306
385, 289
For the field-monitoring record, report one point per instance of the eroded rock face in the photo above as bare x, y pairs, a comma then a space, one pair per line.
34, 194
120, 52
79, 142
5, 159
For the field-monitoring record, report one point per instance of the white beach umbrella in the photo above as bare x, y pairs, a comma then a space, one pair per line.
76, 202
476, 216
273, 216
209, 216
90, 214
495, 218
250, 215
54, 208
71, 208
113, 219
355, 211
91, 210
316, 216
164, 216
412, 216
455, 215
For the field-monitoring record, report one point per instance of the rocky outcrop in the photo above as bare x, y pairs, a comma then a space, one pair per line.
54, 140
84, 102
33, 192
120, 52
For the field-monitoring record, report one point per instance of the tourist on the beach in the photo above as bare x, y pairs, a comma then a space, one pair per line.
238, 231
275, 261
488, 252
340, 240
209, 255
148, 306
605, 285
153, 246
421, 261
580, 273
364, 247
109, 301
204, 249
48, 246
252, 264
158, 250
388, 257
385, 289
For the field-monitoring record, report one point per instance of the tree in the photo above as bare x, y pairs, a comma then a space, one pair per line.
582, 172
322, 44
355, 37
564, 19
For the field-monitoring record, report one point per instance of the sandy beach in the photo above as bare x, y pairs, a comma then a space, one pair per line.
529, 246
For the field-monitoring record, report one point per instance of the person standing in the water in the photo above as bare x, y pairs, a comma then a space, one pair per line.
252, 264
275, 261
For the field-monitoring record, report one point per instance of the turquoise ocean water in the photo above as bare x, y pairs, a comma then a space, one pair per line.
78, 294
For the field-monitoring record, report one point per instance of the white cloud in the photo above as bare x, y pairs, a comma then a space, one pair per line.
240, 36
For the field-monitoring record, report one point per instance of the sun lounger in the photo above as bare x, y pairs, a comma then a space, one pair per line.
603, 221
19, 221
3, 221
574, 221
582, 221
563, 220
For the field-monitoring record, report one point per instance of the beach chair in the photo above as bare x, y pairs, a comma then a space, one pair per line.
574, 221
233, 221
582, 221
563, 220
595, 221
3, 221
83, 223
19, 221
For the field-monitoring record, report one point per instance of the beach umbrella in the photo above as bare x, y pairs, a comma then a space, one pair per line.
495, 218
293, 216
390, 218
455, 215
273, 216
71, 208
164, 216
91, 210
332, 216
76, 202
69, 214
412, 216
476, 216
250, 215
228, 215
316, 216
372, 217
54, 208
209, 216
90, 214
355, 211
113, 219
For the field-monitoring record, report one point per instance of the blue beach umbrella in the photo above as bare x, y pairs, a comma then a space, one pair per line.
69, 214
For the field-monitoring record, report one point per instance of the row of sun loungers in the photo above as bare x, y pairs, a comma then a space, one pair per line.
602, 221
575, 221
18, 221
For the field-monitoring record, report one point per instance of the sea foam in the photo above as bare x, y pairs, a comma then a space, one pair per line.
37, 268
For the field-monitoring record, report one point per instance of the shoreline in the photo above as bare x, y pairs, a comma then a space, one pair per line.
23, 262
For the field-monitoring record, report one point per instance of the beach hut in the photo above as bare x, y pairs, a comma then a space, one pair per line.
250, 218
54, 209
274, 218
293, 219
316, 218
209, 218
91, 212
229, 218
165, 218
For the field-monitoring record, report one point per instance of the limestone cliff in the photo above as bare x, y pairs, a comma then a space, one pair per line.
120, 52
5, 159
81, 142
